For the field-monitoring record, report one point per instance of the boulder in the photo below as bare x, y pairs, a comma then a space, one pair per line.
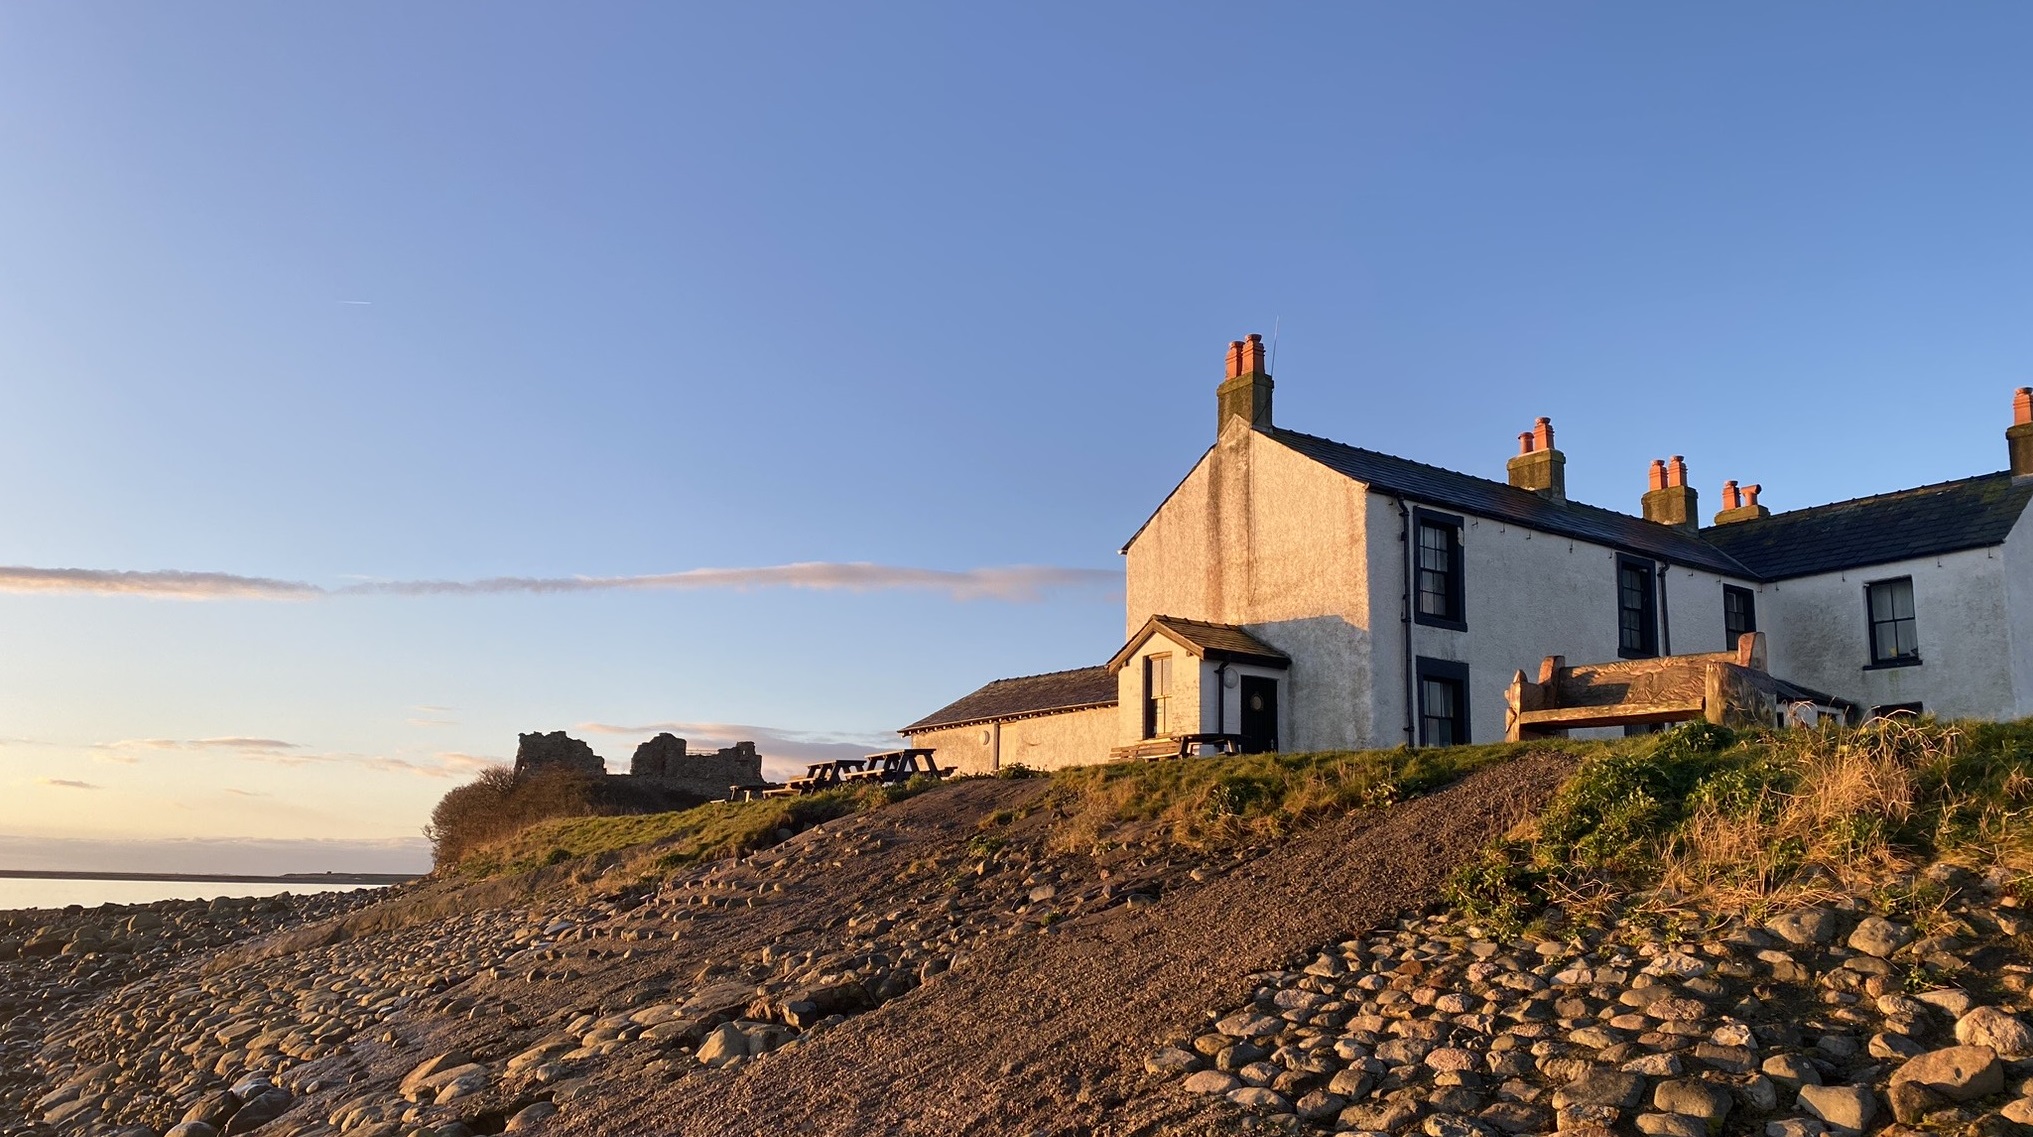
1988, 1026
1692, 1097
1806, 926
1877, 936
1958, 1073
1212, 1082
1602, 1087
1844, 1107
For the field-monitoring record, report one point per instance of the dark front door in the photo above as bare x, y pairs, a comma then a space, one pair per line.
1259, 727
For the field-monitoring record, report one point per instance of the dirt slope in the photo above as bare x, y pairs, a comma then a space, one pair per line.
1047, 1033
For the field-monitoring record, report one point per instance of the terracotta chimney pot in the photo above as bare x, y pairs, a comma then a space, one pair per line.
1524, 442
1542, 433
2022, 405
1234, 358
1676, 471
1658, 474
1751, 493
1731, 499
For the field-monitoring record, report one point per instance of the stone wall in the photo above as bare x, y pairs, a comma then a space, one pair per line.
665, 760
556, 750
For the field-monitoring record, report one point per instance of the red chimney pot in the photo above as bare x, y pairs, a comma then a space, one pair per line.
2022, 405
1658, 474
1731, 499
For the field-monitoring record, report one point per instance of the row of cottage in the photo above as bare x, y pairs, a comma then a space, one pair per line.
1303, 594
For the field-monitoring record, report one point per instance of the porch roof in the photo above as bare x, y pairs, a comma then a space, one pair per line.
1219, 642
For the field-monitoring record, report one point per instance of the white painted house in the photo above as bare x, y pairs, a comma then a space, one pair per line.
1310, 595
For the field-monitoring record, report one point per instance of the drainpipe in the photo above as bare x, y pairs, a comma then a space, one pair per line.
1665, 616
1221, 697
1405, 618
995, 747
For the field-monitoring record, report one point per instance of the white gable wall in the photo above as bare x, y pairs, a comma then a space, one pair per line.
1261, 537
1818, 634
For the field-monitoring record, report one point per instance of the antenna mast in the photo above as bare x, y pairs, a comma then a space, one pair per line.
1275, 321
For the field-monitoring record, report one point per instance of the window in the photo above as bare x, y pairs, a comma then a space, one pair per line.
1895, 639
1739, 614
1157, 696
1898, 710
1443, 702
1438, 589
1637, 609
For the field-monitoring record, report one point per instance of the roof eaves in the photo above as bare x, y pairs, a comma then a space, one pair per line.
1041, 712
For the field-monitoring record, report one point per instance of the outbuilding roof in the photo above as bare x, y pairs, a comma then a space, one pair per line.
1208, 641
1972, 513
1025, 697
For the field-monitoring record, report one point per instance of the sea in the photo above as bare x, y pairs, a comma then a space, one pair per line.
41, 892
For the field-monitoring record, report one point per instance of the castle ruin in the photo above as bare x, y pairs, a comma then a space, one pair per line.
663, 762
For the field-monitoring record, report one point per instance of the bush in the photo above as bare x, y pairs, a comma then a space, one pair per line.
499, 804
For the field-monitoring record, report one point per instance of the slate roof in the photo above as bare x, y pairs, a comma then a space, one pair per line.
1208, 641
1972, 513
1431, 485
1026, 696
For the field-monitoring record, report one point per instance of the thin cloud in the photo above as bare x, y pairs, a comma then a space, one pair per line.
1016, 583
165, 583
247, 745
67, 784
432, 722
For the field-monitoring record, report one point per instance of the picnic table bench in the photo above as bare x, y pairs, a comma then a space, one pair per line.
894, 766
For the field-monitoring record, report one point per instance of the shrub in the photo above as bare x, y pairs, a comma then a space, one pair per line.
498, 804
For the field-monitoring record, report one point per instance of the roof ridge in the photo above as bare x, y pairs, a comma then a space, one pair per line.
1046, 674
1872, 497
1567, 503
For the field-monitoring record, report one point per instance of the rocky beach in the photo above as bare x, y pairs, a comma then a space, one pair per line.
948, 964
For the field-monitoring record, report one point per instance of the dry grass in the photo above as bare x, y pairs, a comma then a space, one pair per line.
1747, 824
1226, 801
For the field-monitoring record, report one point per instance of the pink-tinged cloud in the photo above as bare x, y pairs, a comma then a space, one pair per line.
1015, 583
165, 583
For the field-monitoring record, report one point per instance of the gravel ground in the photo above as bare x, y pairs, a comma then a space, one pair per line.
917, 969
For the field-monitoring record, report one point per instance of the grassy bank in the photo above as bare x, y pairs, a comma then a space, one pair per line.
1218, 802
1746, 822
709, 832
1756, 821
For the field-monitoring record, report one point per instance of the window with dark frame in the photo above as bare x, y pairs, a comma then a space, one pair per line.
1894, 710
1637, 609
1157, 696
1895, 637
1443, 702
1438, 600
1739, 614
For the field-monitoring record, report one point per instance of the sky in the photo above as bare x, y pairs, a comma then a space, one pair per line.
383, 380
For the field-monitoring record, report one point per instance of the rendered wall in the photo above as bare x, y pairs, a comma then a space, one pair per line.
1042, 742
1820, 634
1526, 595
1186, 681
1261, 537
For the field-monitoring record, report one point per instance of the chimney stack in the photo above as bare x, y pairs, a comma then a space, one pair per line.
1247, 389
1539, 467
1740, 504
1670, 500
2019, 436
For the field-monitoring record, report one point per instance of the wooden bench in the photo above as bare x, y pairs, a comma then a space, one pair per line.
1728, 688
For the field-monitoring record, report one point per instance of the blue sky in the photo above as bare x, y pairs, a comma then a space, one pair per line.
384, 292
